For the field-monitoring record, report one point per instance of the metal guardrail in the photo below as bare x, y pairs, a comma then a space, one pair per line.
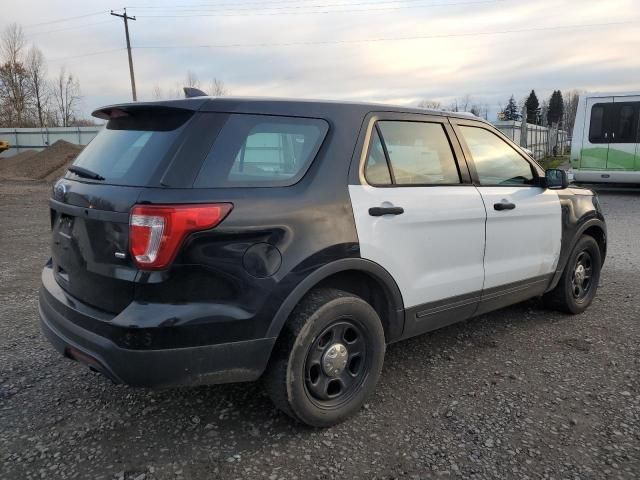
21, 139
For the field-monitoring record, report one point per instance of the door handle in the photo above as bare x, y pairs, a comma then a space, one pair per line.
379, 211
504, 206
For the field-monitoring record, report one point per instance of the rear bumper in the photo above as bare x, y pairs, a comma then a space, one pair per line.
62, 322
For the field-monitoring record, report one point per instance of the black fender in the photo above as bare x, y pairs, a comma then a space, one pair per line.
569, 243
394, 297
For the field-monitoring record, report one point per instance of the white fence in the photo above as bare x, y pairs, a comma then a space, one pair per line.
21, 139
542, 141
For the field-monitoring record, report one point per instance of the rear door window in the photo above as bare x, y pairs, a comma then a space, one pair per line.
417, 153
261, 151
376, 169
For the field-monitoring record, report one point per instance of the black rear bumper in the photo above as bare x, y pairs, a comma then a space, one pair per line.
193, 365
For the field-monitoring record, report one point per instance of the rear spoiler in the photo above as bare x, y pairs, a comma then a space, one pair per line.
192, 104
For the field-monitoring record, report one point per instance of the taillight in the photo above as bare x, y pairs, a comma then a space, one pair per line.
156, 232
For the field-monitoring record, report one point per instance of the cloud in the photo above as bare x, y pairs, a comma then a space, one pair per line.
296, 61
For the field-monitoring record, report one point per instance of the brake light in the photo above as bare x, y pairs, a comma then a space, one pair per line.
156, 232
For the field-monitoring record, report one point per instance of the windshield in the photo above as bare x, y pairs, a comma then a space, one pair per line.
130, 149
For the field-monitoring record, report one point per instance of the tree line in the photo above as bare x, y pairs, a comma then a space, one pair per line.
557, 111
29, 97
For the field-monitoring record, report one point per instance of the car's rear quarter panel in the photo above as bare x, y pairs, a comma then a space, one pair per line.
307, 225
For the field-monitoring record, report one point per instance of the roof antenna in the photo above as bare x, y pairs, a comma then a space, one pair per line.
190, 92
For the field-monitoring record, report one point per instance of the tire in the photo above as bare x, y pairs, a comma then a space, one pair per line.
305, 377
571, 295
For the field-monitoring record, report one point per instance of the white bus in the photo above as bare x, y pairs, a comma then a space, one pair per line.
604, 147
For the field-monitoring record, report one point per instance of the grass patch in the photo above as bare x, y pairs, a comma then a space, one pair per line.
553, 162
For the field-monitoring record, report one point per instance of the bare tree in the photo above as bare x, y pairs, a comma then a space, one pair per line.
14, 79
192, 80
480, 110
217, 88
12, 43
157, 93
429, 105
465, 103
37, 71
570, 108
66, 93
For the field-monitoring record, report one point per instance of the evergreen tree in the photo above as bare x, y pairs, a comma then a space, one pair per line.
510, 112
556, 108
533, 108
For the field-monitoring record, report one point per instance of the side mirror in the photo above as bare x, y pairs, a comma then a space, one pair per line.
556, 179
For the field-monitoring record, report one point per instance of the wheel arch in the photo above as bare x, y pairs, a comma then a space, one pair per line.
361, 277
594, 227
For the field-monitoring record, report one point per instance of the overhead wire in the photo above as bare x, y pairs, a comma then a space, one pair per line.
66, 19
270, 12
383, 39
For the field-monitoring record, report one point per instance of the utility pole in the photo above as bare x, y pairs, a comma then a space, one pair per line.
125, 17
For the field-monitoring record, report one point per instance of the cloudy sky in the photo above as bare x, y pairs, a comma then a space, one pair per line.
396, 51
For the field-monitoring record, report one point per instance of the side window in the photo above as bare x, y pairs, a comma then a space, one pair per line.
376, 169
261, 150
626, 124
419, 153
496, 162
596, 124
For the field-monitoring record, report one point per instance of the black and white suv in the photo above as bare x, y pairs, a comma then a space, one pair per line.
211, 240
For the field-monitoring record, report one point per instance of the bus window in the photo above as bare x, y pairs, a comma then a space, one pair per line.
596, 125
626, 124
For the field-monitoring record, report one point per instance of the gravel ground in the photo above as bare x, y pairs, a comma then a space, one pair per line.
520, 393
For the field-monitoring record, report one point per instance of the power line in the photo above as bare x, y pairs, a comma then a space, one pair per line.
385, 39
66, 19
91, 54
247, 6
267, 12
261, 3
381, 39
74, 27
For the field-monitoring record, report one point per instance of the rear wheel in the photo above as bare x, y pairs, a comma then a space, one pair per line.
579, 281
328, 359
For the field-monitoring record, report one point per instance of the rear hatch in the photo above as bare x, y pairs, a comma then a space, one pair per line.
91, 204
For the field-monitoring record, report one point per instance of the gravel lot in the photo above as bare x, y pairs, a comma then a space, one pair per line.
520, 393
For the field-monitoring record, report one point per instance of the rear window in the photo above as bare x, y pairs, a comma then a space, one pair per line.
261, 151
131, 147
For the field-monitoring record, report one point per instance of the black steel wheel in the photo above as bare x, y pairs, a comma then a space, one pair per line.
328, 358
336, 363
578, 284
582, 276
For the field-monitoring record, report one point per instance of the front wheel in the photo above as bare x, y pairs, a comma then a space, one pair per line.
579, 281
328, 358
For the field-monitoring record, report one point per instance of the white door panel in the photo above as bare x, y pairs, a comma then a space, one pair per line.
524, 242
435, 249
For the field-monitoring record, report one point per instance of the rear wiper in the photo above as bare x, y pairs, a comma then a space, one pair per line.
85, 172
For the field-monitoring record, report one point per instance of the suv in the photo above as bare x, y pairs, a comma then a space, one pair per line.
211, 240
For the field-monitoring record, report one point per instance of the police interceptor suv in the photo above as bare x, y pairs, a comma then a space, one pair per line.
211, 240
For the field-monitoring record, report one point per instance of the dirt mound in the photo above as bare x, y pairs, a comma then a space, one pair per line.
10, 162
48, 165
